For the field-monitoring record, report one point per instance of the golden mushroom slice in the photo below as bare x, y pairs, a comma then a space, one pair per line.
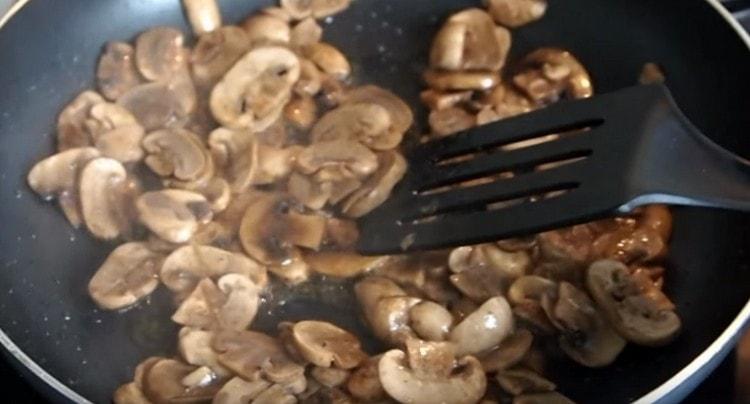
172, 214
216, 52
200, 309
229, 304
324, 344
178, 153
330, 377
106, 196
265, 28
155, 105
254, 91
271, 229
187, 265
463, 80
639, 311
127, 275
483, 329
328, 59
116, 72
72, 131
300, 9
431, 375
514, 13
165, 382
159, 53
468, 41
204, 15
391, 168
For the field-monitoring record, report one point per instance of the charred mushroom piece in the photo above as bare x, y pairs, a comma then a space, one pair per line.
172, 214
637, 310
116, 72
106, 197
155, 105
178, 153
328, 59
72, 131
520, 381
391, 168
195, 348
238, 390
164, 383
341, 264
344, 157
459, 81
431, 321
159, 53
271, 229
187, 265
216, 52
264, 28
468, 41
300, 9
586, 337
254, 91
509, 353
514, 13
429, 375
325, 345
483, 329
127, 275
204, 15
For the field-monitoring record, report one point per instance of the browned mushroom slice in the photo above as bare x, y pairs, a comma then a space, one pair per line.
431, 375
271, 229
509, 353
452, 120
165, 382
176, 152
187, 265
521, 381
216, 52
344, 157
506, 101
252, 354
106, 198
155, 105
639, 311
458, 81
264, 28
483, 329
325, 345
204, 15
548, 73
195, 348
514, 13
301, 111
468, 41
341, 264
71, 123
586, 337
391, 168
306, 32
172, 214
127, 275
253, 92
438, 100
328, 59
116, 73
431, 321
238, 390
300, 9
159, 53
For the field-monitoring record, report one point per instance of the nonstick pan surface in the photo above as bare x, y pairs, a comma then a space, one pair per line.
48, 53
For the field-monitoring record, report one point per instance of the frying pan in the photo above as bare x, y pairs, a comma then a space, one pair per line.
73, 352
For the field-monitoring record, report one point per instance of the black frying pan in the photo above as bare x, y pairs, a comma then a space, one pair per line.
47, 55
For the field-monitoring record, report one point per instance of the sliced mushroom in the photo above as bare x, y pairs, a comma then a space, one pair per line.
172, 214
330, 377
328, 59
426, 379
325, 345
129, 393
277, 12
238, 390
391, 168
159, 53
301, 111
347, 158
431, 321
204, 15
71, 123
300, 9
401, 114
531, 288
586, 337
127, 275
366, 122
242, 302
637, 310
275, 394
260, 164
155, 105
514, 13
163, 383
216, 52
548, 73
364, 383
521, 381
468, 42
57, 175
459, 81
264, 28
386, 308
122, 144
483, 329
271, 229
106, 197
187, 265
200, 308
449, 121
311, 193
253, 92
305, 33
116, 72
228, 145
195, 348
252, 354
438, 100
341, 264
310, 80
509, 353
178, 153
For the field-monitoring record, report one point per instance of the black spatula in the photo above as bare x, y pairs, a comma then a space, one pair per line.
611, 153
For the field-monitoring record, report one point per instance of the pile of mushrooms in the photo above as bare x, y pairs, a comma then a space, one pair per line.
259, 156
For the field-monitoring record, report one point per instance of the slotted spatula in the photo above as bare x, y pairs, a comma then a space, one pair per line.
583, 160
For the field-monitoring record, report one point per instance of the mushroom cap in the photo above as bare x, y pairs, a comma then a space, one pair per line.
424, 386
127, 275
187, 265
391, 168
324, 344
531, 287
159, 53
329, 377
202, 307
116, 72
173, 214
177, 152
216, 52
310, 80
122, 144
59, 172
401, 114
242, 302
254, 91
483, 329
633, 311
103, 198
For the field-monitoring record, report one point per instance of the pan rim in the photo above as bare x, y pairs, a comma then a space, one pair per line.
707, 360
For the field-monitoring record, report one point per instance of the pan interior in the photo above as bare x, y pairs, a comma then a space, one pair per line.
48, 53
